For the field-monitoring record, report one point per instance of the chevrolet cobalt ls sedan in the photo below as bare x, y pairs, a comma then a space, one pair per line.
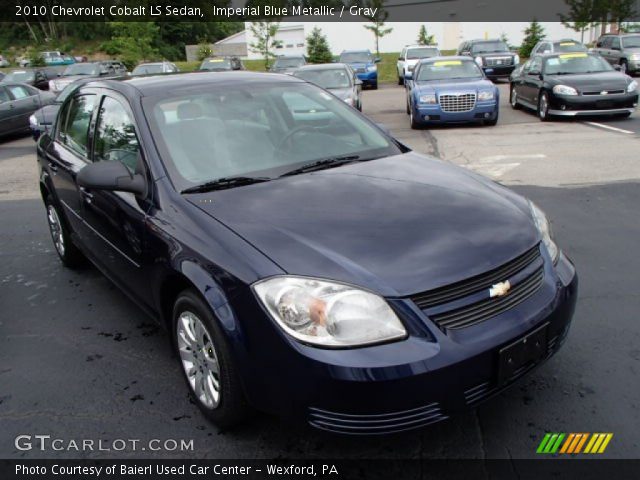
306, 263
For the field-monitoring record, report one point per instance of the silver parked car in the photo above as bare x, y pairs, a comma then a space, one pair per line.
622, 50
338, 78
17, 102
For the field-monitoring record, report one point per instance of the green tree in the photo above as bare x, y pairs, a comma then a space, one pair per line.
318, 48
265, 41
424, 38
133, 42
204, 50
35, 57
377, 21
532, 35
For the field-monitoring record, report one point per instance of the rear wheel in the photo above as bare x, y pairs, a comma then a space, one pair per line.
408, 107
513, 98
400, 81
623, 115
70, 255
207, 362
374, 86
543, 107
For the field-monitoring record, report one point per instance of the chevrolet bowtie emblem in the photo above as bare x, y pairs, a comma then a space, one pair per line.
604, 92
499, 289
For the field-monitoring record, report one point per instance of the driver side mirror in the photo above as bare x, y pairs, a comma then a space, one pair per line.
111, 176
408, 76
377, 60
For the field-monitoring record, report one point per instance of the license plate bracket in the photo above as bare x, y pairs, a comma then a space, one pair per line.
529, 349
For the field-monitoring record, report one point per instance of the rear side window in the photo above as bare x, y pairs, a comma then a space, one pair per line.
75, 122
4, 96
115, 137
615, 42
18, 91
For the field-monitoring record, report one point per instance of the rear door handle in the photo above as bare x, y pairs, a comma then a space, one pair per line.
53, 167
86, 194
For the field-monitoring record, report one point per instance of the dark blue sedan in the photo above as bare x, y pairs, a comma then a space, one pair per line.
305, 263
445, 90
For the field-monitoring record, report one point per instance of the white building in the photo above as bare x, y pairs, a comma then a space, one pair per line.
353, 36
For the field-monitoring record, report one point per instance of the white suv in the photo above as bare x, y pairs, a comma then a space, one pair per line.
410, 55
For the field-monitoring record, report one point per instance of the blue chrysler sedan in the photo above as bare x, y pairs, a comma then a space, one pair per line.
364, 64
304, 262
450, 90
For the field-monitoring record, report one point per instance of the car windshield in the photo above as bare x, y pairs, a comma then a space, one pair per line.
414, 53
631, 42
20, 76
572, 63
356, 57
489, 47
208, 133
569, 46
150, 68
326, 78
448, 70
288, 62
81, 69
216, 64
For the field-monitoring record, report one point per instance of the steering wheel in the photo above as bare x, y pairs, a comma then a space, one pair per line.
291, 134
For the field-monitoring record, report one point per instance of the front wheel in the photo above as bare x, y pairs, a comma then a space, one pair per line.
207, 363
493, 122
69, 254
413, 121
543, 107
400, 81
513, 98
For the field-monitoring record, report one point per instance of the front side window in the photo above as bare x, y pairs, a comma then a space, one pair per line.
115, 137
257, 130
75, 129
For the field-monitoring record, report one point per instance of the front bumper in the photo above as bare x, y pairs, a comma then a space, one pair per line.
402, 385
503, 71
581, 105
368, 78
433, 114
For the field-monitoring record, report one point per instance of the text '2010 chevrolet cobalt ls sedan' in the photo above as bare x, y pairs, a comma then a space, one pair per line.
306, 263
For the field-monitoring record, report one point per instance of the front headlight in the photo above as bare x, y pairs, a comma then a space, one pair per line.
540, 219
372, 68
632, 87
478, 60
564, 90
328, 314
516, 59
33, 121
485, 95
428, 98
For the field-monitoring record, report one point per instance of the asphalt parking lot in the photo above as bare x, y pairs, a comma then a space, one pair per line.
79, 360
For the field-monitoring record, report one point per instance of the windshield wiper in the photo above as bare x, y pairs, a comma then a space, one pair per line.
225, 182
322, 164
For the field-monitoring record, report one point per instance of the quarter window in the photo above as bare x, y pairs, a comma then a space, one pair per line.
75, 130
115, 137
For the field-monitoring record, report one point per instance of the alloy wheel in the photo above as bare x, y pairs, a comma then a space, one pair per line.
199, 359
543, 107
55, 227
514, 97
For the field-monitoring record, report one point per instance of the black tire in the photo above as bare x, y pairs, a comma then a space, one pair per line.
415, 125
374, 86
232, 408
408, 107
67, 251
513, 96
400, 81
623, 115
543, 107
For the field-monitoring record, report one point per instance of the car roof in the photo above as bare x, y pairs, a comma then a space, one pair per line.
160, 84
323, 66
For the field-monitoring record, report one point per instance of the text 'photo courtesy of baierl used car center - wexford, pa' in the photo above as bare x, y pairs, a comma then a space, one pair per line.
325, 239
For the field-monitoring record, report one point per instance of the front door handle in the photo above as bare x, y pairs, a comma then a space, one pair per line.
53, 167
86, 194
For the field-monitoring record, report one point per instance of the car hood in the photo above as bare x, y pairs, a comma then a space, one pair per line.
592, 81
397, 225
463, 84
342, 92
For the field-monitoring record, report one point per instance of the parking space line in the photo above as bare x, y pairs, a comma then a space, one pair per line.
609, 127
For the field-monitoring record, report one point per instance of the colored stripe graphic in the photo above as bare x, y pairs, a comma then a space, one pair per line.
573, 442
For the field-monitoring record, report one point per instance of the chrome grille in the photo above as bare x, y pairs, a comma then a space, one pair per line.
498, 61
604, 92
462, 102
361, 70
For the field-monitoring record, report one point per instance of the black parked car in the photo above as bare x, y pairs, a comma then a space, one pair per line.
35, 77
305, 262
573, 84
17, 102
221, 64
493, 56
